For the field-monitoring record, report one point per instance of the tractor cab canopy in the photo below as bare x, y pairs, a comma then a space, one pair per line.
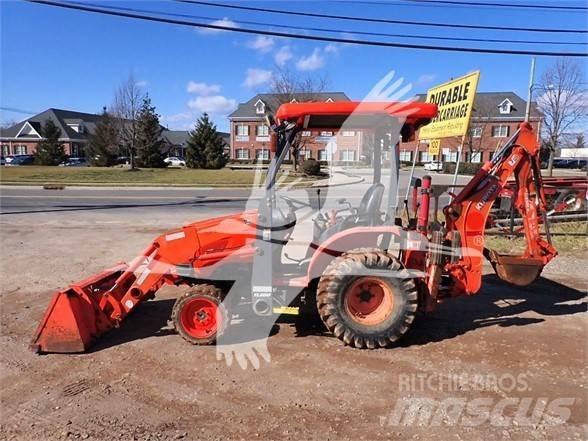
358, 115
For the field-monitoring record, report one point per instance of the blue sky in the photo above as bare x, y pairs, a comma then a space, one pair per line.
74, 60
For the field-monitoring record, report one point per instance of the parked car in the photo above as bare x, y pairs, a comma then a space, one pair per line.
20, 160
74, 162
434, 166
2, 160
174, 161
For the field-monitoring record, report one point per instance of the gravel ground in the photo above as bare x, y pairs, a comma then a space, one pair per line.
143, 382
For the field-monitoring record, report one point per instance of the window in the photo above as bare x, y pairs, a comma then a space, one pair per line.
500, 131
260, 107
505, 107
20, 149
242, 154
476, 157
326, 133
325, 155
405, 155
304, 154
5, 150
426, 157
306, 133
450, 156
262, 154
262, 130
347, 133
242, 130
348, 155
477, 132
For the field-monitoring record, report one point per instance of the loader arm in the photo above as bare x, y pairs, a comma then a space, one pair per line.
466, 217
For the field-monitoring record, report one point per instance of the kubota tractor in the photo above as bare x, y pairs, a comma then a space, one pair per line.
369, 265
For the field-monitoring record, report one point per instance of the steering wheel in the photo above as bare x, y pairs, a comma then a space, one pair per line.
295, 204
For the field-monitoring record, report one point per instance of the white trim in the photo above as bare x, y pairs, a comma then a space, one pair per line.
263, 107
329, 100
32, 128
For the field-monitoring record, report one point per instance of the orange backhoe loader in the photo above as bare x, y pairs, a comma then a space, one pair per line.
367, 269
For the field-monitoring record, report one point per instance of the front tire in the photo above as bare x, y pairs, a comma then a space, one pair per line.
363, 302
199, 316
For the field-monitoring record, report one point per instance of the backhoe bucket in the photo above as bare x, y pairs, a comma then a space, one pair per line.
73, 319
517, 270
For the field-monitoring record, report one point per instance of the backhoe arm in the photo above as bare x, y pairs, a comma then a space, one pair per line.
467, 214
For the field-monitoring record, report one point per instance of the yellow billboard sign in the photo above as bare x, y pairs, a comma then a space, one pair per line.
434, 146
455, 100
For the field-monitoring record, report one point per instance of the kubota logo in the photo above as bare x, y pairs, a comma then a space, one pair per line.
486, 196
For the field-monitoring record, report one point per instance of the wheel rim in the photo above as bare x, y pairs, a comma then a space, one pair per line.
199, 317
369, 300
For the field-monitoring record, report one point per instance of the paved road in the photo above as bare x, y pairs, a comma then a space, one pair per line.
18, 201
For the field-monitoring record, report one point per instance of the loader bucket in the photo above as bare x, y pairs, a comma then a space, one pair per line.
517, 270
73, 320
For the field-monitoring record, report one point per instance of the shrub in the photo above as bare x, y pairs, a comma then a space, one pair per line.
311, 167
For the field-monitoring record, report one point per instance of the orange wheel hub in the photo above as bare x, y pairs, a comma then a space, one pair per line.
199, 317
369, 300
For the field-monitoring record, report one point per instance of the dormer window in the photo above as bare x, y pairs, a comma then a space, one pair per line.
293, 100
505, 107
260, 107
329, 100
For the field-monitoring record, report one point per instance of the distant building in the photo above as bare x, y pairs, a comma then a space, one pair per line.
76, 129
177, 141
495, 117
251, 138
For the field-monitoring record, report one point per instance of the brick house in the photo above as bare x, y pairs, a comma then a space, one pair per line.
76, 129
251, 138
23, 137
495, 117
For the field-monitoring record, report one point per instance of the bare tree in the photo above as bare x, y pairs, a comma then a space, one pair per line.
562, 101
289, 85
127, 103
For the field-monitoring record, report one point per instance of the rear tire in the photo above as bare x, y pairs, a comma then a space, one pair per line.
362, 303
199, 316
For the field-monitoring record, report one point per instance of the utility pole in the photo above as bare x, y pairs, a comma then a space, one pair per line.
530, 94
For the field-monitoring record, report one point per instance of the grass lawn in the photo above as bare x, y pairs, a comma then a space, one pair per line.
121, 176
568, 237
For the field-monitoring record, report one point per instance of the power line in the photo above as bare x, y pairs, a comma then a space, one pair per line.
15, 110
500, 5
107, 11
382, 20
337, 31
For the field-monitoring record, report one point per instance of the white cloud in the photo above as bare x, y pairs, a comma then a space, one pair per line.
262, 43
202, 89
213, 104
225, 22
425, 79
142, 83
313, 62
256, 77
283, 55
331, 49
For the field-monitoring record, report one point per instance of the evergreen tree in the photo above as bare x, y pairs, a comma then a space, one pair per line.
50, 150
149, 142
103, 145
205, 147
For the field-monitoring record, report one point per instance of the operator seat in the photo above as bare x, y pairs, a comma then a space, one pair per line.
367, 214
